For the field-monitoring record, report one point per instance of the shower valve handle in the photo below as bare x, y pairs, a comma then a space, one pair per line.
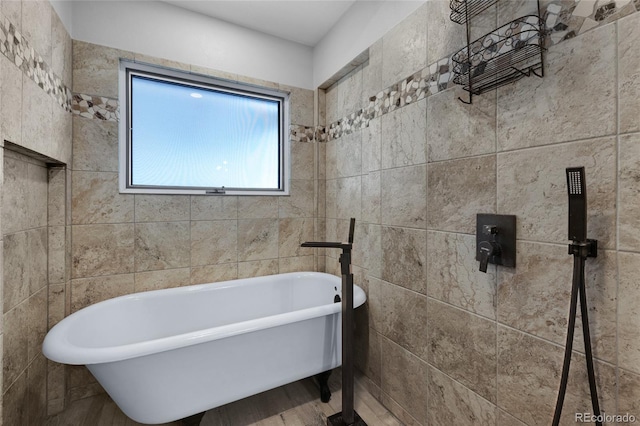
487, 250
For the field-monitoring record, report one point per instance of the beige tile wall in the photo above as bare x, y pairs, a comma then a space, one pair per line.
36, 240
440, 342
123, 243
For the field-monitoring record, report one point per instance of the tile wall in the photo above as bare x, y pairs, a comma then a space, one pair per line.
35, 126
441, 342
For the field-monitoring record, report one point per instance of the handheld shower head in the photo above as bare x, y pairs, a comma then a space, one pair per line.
577, 190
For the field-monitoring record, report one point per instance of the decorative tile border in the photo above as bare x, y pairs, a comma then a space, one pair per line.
95, 107
564, 19
19, 51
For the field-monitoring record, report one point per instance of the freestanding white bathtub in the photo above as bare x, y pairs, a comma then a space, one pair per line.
168, 354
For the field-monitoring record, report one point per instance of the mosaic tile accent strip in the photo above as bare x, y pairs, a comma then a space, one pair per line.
563, 20
19, 51
301, 133
95, 107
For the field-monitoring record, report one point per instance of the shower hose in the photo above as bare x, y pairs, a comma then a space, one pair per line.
580, 252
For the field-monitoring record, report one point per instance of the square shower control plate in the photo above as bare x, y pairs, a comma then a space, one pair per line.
501, 229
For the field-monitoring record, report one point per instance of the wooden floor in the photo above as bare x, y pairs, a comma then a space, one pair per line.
296, 404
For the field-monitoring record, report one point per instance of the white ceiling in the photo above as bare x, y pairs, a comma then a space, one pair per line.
301, 21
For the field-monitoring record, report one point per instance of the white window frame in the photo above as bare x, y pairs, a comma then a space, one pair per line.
130, 68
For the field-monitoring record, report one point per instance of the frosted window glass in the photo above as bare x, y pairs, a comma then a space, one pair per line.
189, 136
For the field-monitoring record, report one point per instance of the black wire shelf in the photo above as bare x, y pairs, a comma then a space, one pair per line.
502, 56
463, 10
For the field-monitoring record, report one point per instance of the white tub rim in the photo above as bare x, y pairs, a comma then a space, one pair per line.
57, 346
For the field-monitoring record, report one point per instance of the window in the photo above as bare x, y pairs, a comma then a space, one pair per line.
183, 133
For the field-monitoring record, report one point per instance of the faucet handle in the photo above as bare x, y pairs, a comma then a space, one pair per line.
487, 250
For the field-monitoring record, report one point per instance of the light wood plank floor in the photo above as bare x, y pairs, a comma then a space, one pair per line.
296, 404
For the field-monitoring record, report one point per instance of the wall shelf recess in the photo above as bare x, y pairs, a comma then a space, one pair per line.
506, 54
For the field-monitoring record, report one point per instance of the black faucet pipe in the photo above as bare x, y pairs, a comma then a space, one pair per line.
580, 252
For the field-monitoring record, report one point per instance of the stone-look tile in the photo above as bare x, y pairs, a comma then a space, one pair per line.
372, 72
450, 403
302, 160
14, 403
15, 195
331, 104
57, 298
257, 239
404, 136
506, 419
368, 252
16, 272
214, 273
147, 59
87, 291
292, 233
349, 198
37, 391
404, 48
196, 69
371, 198
36, 323
95, 145
57, 197
96, 199
12, 10
458, 190
404, 379
508, 11
399, 315
158, 280
15, 344
62, 134
299, 203
529, 375
56, 385
558, 99
36, 27
331, 199
102, 250
11, 105
532, 185
24, 265
453, 276
366, 356
61, 50
257, 207
36, 118
300, 105
36, 259
404, 196
629, 192
296, 264
629, 73
349, 155
404, 258
628, 395
628, 312
463, 346
534, 297
372, 146
95, 69
331, 159
37, 193
456, 130
159, 208
350, 92
443, 35
257, 268
162, 245
208, 207
57, 254
214, 242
